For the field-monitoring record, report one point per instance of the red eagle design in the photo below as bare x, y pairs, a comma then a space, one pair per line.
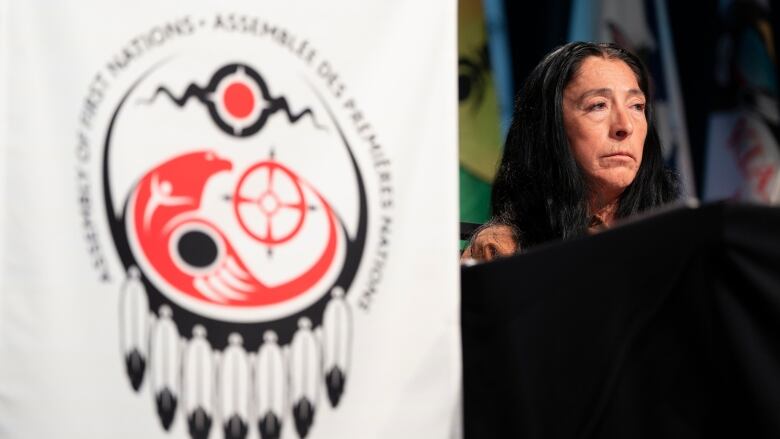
191, 253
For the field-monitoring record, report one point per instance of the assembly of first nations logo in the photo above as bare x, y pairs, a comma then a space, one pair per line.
238, 202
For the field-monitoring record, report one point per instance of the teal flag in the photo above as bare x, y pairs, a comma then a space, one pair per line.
485, 102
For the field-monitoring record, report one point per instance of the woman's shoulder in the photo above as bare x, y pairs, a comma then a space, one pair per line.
495, 239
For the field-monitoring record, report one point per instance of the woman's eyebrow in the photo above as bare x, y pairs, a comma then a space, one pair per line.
596, 92
607, 92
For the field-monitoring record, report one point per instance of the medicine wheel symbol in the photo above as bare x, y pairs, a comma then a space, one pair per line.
268, 214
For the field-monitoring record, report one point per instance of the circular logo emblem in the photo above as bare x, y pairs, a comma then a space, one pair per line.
234, 196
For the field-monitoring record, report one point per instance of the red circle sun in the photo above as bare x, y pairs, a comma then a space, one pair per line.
239, 100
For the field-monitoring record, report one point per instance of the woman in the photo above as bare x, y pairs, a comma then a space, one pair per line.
582, 152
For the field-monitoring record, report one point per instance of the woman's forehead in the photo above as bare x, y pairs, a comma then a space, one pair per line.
598, 73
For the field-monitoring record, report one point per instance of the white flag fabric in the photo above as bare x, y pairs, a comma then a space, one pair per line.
642, 26
228, 220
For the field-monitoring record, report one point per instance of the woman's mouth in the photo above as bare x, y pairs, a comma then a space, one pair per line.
619, 155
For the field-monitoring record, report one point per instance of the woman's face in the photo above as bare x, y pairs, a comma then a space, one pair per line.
604, 119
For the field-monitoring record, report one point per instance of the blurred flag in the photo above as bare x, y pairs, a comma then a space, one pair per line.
485, 93
218, 224
4, 121
742, 156
642, 26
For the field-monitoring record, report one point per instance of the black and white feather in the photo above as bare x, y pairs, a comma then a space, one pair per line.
165, 366
198, 384
134, 327
234, 389
337, 339
270, 385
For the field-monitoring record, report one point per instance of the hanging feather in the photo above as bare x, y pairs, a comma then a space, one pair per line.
133, 327
234, 389
165, 363
304, 376
337, 338
270, 388
198, 384
270, 426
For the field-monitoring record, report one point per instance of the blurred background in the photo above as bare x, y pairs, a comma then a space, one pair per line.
715, 77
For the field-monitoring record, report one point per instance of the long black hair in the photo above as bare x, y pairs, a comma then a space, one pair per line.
539, 188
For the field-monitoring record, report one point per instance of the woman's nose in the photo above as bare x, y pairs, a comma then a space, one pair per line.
621, 124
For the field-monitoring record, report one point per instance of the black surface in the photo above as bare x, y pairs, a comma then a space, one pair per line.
667, 327
468, 229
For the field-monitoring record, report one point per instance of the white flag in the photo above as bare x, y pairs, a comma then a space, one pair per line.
228, 220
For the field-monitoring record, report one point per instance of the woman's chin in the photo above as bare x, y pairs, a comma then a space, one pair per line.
612, 184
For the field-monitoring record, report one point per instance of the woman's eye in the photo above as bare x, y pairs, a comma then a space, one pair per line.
598, 106
639, 107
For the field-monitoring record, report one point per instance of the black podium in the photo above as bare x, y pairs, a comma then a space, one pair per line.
665, 327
